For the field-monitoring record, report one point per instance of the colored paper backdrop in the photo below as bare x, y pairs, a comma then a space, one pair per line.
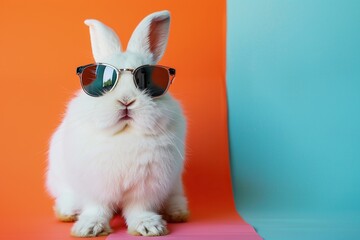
42, 43
293, 82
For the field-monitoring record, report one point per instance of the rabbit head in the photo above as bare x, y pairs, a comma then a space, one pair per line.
126, 105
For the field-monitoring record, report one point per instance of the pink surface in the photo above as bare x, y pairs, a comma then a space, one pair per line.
197, 229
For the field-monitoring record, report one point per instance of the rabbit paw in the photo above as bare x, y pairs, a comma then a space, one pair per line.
65, 208
88, 228
152, 225
176, 209
66, 218
177, 216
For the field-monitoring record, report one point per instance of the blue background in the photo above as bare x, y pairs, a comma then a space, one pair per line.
293, 82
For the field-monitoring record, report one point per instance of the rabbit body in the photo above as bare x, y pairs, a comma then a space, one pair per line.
108, 167
100, 164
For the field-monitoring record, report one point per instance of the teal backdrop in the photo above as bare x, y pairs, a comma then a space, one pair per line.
293, 82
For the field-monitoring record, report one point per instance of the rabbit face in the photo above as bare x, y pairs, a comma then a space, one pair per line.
126, 106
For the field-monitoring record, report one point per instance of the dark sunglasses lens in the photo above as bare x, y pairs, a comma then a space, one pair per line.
98, 79
153, 79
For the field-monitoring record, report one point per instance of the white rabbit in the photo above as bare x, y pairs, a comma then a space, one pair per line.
99, 163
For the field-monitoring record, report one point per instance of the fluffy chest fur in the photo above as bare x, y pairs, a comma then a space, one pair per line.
112, 168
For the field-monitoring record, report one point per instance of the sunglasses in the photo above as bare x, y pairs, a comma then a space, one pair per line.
99, 78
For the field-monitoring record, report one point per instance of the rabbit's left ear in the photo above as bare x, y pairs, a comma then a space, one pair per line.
151, 35
104, 41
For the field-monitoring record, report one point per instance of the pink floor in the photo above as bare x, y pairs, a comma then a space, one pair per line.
197, 229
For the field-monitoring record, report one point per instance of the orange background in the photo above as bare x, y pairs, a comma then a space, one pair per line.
41, 44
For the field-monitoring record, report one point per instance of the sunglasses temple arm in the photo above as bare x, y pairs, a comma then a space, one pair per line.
80, 69
172, 73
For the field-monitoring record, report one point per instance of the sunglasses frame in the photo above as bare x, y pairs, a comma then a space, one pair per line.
171, 73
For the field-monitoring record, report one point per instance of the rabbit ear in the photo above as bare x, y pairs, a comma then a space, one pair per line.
104, 41
151, 35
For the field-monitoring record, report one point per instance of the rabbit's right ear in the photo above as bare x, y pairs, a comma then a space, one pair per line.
104, 41
151, 35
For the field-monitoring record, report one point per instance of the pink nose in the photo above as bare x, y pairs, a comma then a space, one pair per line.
126, 103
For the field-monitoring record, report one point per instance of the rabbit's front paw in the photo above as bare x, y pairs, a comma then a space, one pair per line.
152, 225
89, 228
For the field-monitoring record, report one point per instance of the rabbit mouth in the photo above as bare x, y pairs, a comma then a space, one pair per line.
126, 117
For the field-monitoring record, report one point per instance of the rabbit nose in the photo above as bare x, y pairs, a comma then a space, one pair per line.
126, 102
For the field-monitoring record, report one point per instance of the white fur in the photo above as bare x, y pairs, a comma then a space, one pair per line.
104, 41
98, 164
